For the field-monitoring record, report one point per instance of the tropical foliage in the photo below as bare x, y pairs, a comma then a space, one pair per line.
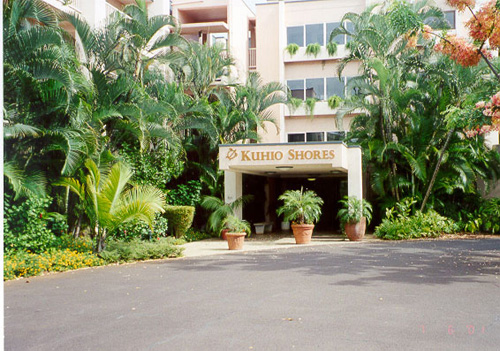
301, 207
417, 107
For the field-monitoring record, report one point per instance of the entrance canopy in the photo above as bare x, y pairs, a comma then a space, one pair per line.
285, 159
290, 160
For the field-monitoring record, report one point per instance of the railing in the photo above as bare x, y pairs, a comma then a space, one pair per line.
77, 5
252, 58
110, 9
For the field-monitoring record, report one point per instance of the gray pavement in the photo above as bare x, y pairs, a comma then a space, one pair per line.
420, 295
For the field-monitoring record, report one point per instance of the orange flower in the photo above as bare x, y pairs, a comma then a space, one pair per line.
461, 4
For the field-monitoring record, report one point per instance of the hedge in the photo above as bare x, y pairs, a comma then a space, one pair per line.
180, 218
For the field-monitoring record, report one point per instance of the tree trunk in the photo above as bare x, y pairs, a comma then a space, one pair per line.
436, 169
76, 232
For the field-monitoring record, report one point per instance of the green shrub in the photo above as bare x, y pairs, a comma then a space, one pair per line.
419, 225
25, 264
490, 216
154, 168
26, 225
188, 194
180, 218
136, 250
195, 235
139, 229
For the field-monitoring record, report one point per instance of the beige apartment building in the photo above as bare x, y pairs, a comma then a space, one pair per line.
298, 151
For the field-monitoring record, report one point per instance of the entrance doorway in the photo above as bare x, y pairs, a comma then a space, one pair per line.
266, 190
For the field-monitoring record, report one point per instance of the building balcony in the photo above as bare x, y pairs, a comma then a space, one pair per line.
252, 59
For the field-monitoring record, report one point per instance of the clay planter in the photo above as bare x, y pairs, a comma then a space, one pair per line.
302, 233
223, 233
235, 240
356, 231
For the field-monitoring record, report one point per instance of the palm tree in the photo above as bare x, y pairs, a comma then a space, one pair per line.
201, 66
109, 200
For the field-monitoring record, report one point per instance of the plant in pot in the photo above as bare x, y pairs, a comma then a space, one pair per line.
220, 210
355, 215
303, 208
238, 229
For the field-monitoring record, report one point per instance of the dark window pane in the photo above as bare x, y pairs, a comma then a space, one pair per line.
339, 39
296, 88
315, 88
450, 18
295, 35
316, 136
296, 138
335, 86
314, 34
350, 28
335, 136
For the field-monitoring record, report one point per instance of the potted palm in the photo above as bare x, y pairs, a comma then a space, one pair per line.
303, 209
220, 210
238, 229
354, 215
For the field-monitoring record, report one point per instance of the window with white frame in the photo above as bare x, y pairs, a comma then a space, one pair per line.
295, 35
319, 88
312, 137
317, 33
339, 39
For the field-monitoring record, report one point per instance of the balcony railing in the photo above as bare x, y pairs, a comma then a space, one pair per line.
111, 9
252, 59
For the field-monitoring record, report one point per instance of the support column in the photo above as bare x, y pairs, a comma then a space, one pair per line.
233, 189
354, 173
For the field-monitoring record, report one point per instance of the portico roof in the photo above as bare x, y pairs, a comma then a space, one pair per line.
286, 159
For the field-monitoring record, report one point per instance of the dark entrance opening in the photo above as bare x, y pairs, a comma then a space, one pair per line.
266, 191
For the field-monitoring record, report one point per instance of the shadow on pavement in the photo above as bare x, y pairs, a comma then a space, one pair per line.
416, 262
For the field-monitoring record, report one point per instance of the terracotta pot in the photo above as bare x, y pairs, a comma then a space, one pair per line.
235, 240
302, 233
223, 233
356, 231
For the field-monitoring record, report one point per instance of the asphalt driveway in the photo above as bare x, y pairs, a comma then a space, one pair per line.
423, 295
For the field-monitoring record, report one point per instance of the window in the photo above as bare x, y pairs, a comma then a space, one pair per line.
335, 136
315, 88
339, 39
219, 39
449, 16
350, 28
316, 136
296, 88
296, 138
295, 35
335, 86
353, 90
448, 22
314, 34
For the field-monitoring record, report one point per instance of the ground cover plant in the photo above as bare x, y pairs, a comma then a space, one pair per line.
403, 222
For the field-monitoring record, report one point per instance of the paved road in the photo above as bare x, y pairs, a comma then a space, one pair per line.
434, 295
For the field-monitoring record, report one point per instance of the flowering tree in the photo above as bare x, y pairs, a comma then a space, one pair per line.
484, 29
